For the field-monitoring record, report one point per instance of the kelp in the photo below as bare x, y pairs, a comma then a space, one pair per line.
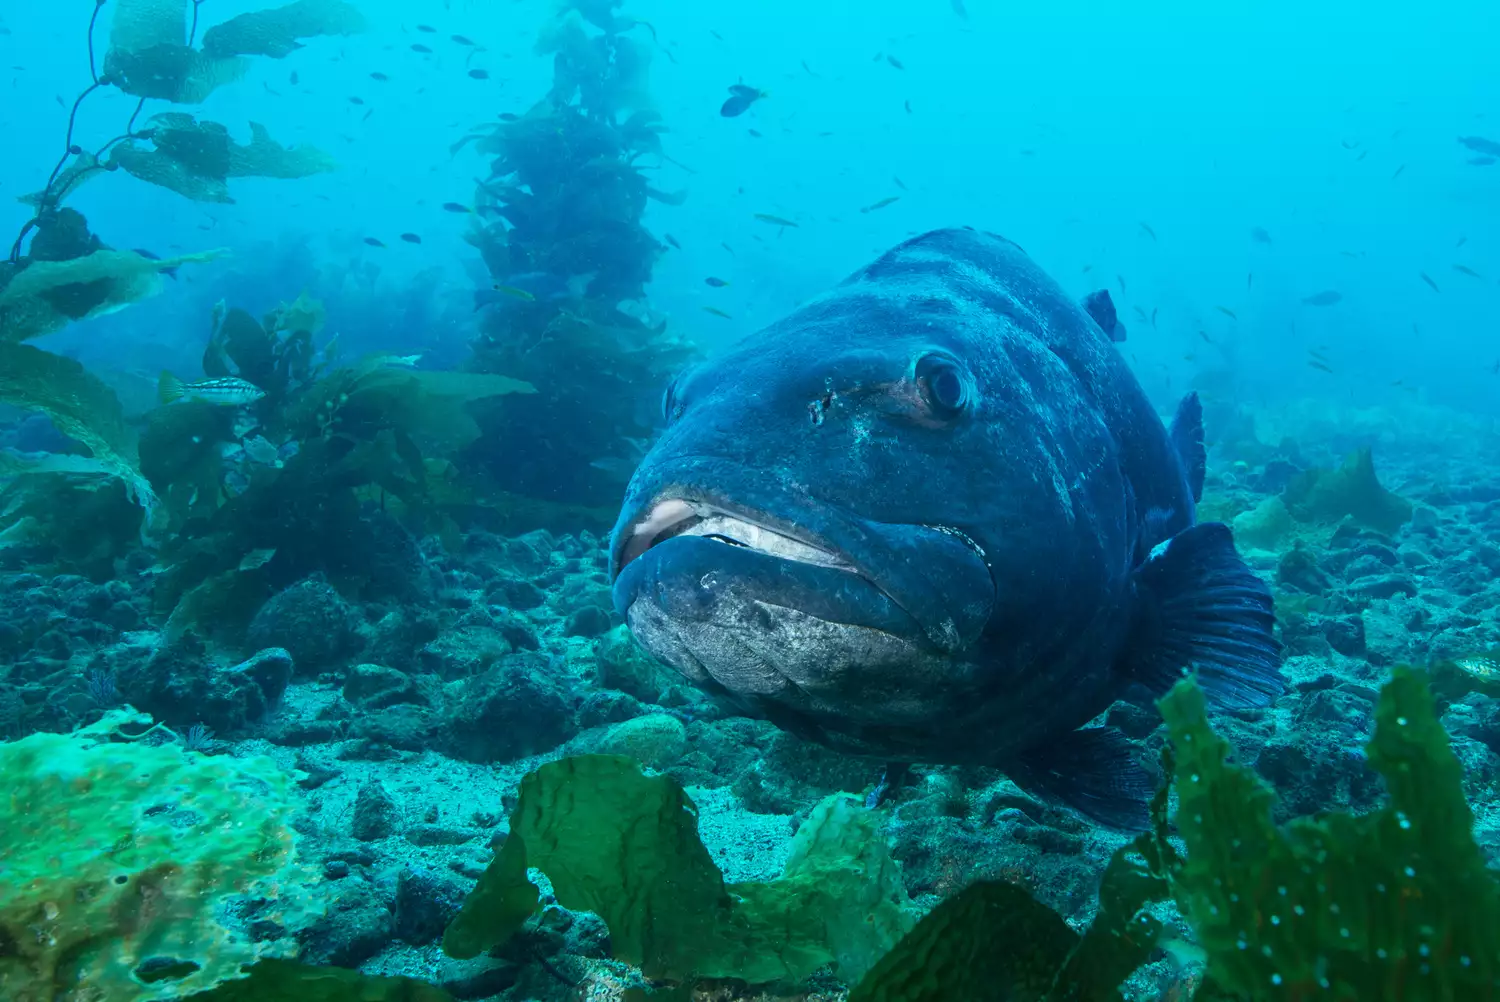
45, 296
625, 845
1352, 491
79, 404
1396, 903
197, 159
150, 54
277, 32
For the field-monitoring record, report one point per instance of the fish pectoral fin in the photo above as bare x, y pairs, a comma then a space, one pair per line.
1187, 437
1201, 610
1096, 771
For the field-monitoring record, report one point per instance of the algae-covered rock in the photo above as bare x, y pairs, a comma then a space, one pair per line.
1351, 491
1264, 527
656, 740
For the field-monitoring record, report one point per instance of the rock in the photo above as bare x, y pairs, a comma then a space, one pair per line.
1345, 634
375, 813
430, 834
313, 622
406, 727
1264, 526
355, 927
464, 652
1383, 586
623, 664
426, 901
180, 685
480, 978
335, 869
374, 687
510, 711
272, 670
517, 593
657, 740
589, 621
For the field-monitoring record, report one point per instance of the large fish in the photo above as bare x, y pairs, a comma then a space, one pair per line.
932, 517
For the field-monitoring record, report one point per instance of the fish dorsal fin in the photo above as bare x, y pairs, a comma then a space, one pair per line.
1187, 437
1101, 308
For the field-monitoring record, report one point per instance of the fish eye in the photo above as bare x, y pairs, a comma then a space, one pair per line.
944, 384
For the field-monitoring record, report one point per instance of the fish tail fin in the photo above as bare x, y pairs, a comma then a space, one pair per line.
168, 388
1096, 771
1117, 334
1187, 437
1200, 610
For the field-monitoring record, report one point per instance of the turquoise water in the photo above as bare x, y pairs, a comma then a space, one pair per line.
375, 344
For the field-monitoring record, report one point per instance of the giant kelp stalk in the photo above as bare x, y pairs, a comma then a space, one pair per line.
560, 232
152, 55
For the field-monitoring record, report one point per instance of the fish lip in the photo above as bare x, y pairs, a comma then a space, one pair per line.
639, 535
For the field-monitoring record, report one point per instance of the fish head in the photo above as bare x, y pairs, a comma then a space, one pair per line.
841, 507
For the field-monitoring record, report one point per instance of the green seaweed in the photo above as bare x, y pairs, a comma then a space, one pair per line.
277, 32
78, 403
273, 980
1352, 491
625, 845
1394, 904
197, 159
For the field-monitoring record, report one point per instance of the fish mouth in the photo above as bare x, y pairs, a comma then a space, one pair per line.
671, 517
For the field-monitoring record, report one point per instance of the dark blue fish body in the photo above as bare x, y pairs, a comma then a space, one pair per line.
739, 101
1328, 297
1101, 309
932, 517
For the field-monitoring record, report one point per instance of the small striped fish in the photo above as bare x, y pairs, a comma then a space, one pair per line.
228, 391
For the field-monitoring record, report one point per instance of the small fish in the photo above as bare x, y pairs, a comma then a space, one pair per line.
898, 182
456, 207
894, 62
1362, 155
728, 248
479, 74
373, 242
1260, 236
1484, 668
461, 40
1204, 336
511, 290
356, 100
881, 204
293, 79
1481, 161
1314, 363
959, 9
421, 48
411, 238
908, 107
717, 283
1428, 279
1153, 316
427, 28
1466, 270
1461, 242
1227, 312
1140, 313
809, 70
1121, 280
379, 76
1148, 230
1249, 279
1479, 144
717, 312
509, 116
740, 99
766, 217
755, 134
671, 241
228, 391
1325, 298
1398, 172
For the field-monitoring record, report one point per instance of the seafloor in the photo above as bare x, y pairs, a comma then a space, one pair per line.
413, 721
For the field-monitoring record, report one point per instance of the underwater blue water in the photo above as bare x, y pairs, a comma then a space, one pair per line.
379, 570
